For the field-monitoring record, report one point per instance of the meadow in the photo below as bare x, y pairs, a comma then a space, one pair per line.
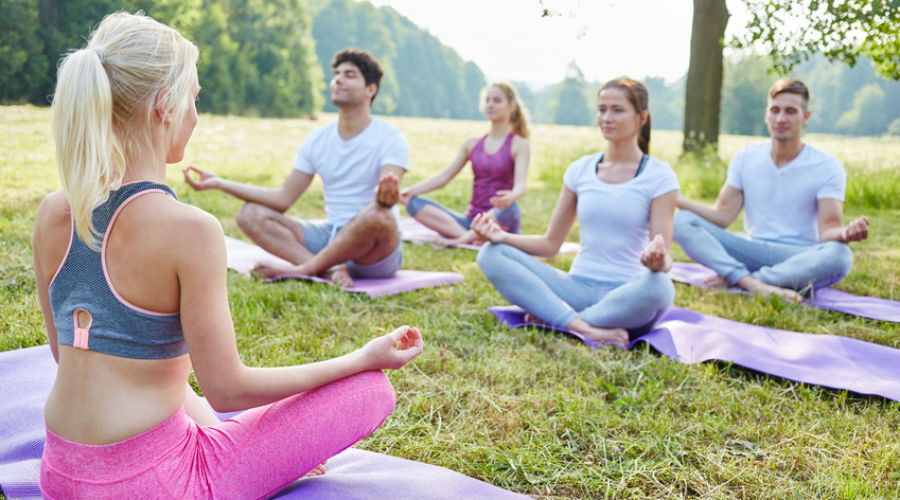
527, 410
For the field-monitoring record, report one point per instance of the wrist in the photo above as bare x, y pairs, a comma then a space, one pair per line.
358, 361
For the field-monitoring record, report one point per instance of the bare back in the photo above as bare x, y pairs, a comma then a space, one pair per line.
100, 398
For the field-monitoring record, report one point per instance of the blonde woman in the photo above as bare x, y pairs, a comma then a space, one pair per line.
132, 288
499, 166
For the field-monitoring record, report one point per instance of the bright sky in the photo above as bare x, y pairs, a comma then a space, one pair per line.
509, 40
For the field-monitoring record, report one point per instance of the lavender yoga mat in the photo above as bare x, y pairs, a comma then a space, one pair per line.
352, 475
243, 257
404, 281
692, 273
414, 231
827, 360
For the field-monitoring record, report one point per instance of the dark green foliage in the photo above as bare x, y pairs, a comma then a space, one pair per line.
843, 100
573, 106
20, 51
254, 55
666, 102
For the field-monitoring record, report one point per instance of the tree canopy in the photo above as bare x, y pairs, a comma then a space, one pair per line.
842, 30
258, 57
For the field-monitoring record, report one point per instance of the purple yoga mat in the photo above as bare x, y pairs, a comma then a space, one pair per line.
413, 231
692, 273
351, 475
827, 360
243, 257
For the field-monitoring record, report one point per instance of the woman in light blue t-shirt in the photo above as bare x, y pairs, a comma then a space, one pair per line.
625, 201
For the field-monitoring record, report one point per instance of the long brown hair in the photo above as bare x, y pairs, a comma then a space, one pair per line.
639, 98
518, 119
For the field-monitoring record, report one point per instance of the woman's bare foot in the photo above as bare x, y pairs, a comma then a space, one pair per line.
340, 276
716, 281
531, 318
467, 238
754, 285
615, 336
317, 471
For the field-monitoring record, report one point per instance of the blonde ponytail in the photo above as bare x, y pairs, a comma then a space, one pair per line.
106, 94
88, 154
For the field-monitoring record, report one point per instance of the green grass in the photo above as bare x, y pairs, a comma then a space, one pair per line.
526, 410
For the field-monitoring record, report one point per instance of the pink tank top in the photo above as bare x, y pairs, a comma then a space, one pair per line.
492, 172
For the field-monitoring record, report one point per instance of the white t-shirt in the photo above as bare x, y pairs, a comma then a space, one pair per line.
350, 169
781, 204
615, 218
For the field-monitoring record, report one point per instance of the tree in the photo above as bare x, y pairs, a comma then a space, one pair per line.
422, 76
843, 30
571, 102
868, 115
744, 96
704, 78
666, 103
21, 50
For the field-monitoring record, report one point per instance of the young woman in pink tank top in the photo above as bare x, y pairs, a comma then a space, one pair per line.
499, 167
121, 421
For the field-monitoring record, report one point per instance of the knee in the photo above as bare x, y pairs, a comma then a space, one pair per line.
376, 218
381, 397
684, 223
837, 256
250, 216
509, 218
414, 205
660, 290
490, 255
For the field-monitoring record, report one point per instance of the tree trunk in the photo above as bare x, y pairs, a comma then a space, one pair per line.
704, 78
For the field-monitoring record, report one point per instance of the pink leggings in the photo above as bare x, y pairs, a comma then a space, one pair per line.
250, 456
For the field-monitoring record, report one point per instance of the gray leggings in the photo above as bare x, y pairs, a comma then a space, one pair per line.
558, 297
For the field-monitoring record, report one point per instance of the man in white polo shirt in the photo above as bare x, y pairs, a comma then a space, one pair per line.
361, 160
793, 198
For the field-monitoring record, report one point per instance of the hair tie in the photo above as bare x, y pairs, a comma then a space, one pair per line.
101, 55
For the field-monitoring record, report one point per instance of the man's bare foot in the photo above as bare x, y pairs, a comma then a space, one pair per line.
270, 271
339, 275
317, 471
716, 281
754, 285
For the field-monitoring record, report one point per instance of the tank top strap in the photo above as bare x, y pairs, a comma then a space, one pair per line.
479, 146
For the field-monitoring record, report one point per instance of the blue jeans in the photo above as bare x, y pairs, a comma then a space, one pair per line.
558, 297
509, 217
785, 265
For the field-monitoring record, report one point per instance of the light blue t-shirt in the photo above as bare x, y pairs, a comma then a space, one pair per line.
615, 218
350, 169
781, 204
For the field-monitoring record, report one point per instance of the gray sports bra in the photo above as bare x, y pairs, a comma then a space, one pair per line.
82, 284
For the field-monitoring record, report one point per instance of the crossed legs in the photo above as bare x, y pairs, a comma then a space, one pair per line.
606, 312
761, 266
367, 239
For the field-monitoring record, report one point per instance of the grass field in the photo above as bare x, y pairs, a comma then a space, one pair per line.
534, 412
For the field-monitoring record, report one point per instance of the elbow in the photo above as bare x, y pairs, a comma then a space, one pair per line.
222, 405
225, 393
224, 401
